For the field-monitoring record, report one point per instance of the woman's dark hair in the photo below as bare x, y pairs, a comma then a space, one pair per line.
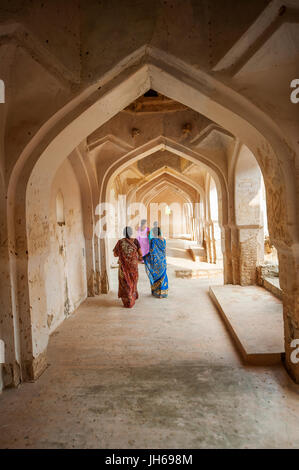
127, 232
143, 221
156, 231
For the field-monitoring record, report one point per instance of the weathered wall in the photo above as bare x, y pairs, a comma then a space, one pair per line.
57, 271
67, 241
249, 215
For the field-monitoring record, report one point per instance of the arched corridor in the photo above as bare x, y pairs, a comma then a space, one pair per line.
124, 124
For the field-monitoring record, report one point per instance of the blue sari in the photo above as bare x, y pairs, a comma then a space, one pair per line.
155, 267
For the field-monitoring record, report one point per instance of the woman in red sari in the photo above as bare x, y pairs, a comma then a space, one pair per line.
129, 252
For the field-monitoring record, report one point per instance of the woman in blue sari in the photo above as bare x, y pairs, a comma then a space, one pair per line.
155, 265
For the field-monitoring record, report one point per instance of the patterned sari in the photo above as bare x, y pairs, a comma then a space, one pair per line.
155, 266
127, 251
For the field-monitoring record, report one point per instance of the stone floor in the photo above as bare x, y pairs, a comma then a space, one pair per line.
254, 318
162, 375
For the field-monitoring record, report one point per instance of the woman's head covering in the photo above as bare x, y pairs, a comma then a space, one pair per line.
127, 232
157, 232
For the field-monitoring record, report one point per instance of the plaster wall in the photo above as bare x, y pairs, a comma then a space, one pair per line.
57, 268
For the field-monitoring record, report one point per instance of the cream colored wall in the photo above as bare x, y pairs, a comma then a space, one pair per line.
72, 265
57, 270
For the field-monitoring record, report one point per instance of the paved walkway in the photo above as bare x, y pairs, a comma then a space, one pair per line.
162, 375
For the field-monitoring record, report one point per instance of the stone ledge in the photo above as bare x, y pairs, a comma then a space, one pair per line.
254, 318
197, 253
272, 285
268, 277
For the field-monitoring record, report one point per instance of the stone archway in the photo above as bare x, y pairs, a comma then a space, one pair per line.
197, 90
159, 183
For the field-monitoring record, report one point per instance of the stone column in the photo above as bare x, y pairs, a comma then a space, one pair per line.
97, 278
90, 266
247, 219
227, 254
289, 283
11, 371
104, 267
248, 254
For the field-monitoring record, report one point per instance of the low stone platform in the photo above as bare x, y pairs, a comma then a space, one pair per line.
272, 285
254, 319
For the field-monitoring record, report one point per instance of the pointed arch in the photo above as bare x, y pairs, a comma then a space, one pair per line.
96, 104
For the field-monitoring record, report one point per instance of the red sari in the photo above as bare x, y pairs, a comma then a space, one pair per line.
127, 251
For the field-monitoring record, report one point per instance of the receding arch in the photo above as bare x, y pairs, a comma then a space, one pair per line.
150, 148
177, 149
171, 173
160, 187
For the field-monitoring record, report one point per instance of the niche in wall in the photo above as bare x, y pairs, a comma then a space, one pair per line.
60, 209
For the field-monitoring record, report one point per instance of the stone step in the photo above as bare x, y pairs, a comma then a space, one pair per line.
197, 253
197, 273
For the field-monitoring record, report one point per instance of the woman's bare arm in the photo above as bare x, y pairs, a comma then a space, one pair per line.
140, 254
115, 250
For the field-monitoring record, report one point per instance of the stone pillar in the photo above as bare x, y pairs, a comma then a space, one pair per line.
207, 239
247, 226
227, 255
235, 255
11, 371
97, 277
90, 267
289, 283
246, 252
213, 243
104, 267
32, 366
249, 254
31, 300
